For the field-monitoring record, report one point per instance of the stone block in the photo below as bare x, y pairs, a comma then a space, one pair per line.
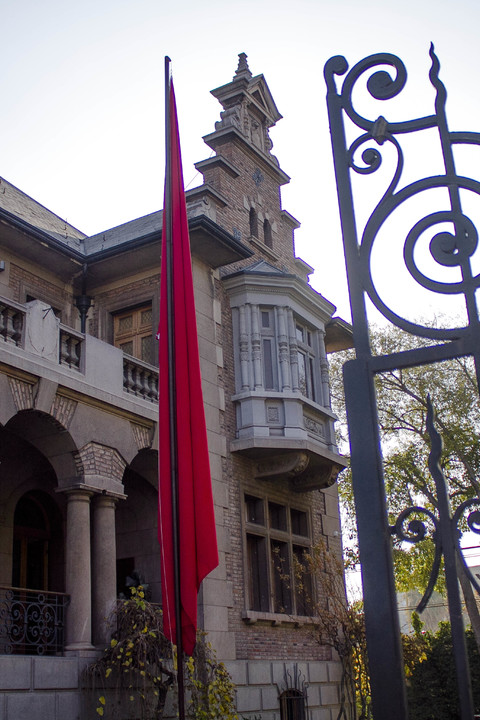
40, 706
3, 701
238, 671
334, 671
224, 644
219, 490
321, 714
270, 699
278, 673
15, 673
223, 539
330, 525
331, 506
318, 672
69, 706
217, 592
248, 699
219, 573
259, 672
215, 619
314, 698
329, 694
55, 673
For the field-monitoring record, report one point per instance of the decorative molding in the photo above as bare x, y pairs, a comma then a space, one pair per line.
142, 435
63, 410
282, 466
22, 393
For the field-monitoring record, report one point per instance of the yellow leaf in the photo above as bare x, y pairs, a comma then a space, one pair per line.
113, 642
102, 700
108, 672
100, 711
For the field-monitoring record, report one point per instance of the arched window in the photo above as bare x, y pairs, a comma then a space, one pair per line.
267, 233
37, 543
292, 705
253, 219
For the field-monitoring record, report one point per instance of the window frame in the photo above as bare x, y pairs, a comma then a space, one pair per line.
307, 348
137, 333
265, 591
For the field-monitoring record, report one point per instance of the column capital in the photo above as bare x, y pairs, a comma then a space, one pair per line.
81, 488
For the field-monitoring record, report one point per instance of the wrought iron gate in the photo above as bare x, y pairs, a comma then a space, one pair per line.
452, 246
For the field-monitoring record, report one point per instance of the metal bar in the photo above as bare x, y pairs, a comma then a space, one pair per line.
374, 539
448, 533
172, 398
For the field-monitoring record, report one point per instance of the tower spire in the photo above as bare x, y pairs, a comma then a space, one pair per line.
242, 70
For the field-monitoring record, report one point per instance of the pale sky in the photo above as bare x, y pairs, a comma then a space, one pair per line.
81, 88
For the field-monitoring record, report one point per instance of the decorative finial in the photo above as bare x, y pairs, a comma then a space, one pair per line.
242, 70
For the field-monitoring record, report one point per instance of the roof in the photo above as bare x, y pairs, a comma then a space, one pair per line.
22, 206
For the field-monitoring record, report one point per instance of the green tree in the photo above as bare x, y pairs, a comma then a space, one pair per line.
402, 409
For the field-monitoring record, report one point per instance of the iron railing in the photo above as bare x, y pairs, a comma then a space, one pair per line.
32, 622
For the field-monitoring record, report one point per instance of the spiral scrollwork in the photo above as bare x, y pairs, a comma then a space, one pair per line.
409, 528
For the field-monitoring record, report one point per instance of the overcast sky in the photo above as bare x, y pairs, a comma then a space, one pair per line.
81, 91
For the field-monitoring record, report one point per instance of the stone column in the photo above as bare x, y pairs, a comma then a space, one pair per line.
104, 575
78, 577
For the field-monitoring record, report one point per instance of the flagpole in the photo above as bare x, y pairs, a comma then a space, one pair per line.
172, 394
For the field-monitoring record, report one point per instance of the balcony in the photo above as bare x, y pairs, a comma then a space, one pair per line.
34, 341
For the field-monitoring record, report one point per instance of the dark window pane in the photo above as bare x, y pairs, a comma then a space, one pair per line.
127, 347
147, 348
311, 382
278, 516
282, 593
302, 373
255, 511
299, 522
268, 365
265, 319
257, 573
253, 223
303, 581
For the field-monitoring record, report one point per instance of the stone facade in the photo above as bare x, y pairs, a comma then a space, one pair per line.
79, 435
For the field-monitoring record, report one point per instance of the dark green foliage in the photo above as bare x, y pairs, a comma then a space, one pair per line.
432, 689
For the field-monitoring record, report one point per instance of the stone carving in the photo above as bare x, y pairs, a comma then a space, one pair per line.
273, 414
314, 426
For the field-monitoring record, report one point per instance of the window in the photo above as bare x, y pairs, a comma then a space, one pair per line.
292, 705
267, 234
268, 349
132, 332
306, 361
253, 220
278, 541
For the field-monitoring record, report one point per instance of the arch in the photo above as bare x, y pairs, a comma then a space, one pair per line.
46, 434
137, 524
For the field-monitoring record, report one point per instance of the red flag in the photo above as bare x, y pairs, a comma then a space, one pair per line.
183, 420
